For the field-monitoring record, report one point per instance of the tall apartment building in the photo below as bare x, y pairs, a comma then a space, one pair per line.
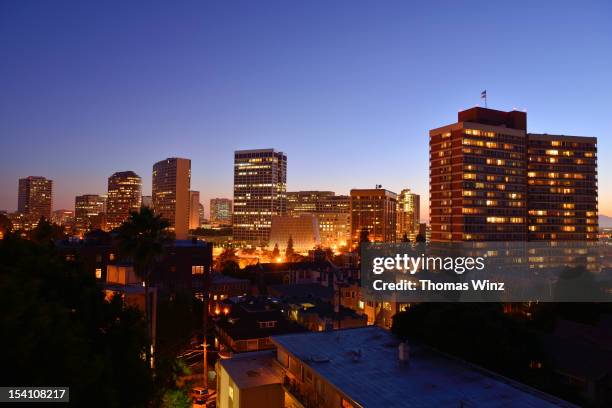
221, 211
88, 210
260, 187
492, 181
562, 187
194, 209
374, 210
124, 196
171, 182
35, 197
332, 212
408, 214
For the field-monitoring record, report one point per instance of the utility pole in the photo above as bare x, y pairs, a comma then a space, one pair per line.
205, 295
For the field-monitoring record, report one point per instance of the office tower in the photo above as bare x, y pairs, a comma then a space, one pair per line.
88, 209
147, 201
221, 211
332, 214
194, 209
260, 183
408, 214
562, 187
171, 182
124, 196
492, 181
35, 197
373, 210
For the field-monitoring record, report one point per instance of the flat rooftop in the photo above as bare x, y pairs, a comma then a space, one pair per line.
430, 379
253, 369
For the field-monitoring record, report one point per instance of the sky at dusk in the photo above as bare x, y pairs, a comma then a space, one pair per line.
347, 89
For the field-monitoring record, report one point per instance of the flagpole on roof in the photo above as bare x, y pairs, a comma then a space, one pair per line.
483, 95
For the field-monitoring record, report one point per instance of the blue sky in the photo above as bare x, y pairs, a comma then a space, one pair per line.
348, 89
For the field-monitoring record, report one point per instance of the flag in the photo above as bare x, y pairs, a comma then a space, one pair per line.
483, 94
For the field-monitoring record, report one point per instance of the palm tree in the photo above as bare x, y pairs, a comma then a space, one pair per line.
141, 238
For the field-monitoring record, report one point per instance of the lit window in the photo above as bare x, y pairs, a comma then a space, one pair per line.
197, 270
98, 273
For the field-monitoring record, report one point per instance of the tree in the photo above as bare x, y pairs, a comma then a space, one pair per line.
420, 238
142, 238
6, 225
405, 238
289, 252
61, 330
275, 251
46, 232
364, 235
228, 255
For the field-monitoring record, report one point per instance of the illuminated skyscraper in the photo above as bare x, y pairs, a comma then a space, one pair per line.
562, 187
221, 211
171, 182
490, 180
88, 210
194, 209
35, 197
124, 197
408, 214
260, 183
374, 210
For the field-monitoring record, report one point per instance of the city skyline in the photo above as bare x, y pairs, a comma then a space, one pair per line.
112, 98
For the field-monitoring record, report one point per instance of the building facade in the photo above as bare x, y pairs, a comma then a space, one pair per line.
88, 209
562, 188
221, 211
374, 211
171, 182
35, 197
64, 218
124, 196
408, 214
487, 172
194, 209
260, 188
303, 230
331, 210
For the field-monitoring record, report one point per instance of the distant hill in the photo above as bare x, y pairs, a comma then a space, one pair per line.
605, 221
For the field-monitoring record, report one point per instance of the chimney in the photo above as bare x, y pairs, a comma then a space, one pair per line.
404, 353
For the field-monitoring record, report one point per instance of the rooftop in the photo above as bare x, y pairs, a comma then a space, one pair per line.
376, 379
253, 369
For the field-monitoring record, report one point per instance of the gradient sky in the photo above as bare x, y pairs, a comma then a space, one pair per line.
348, 89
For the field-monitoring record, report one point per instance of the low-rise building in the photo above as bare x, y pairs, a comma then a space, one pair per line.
249, 323
367, 367
249, 380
